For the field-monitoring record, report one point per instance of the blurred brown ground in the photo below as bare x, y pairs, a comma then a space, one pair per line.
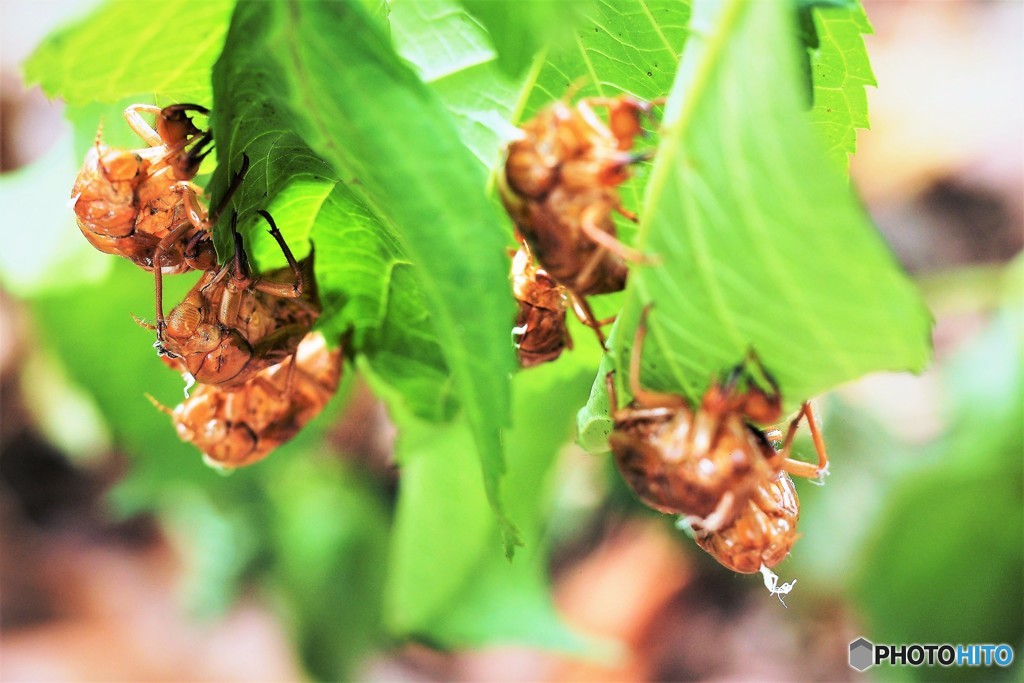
84, 598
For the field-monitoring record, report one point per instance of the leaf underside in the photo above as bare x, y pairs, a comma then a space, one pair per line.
389, 139
760, 243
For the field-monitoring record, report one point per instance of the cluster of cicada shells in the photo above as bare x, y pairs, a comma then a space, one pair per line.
246, 340
708, 464
560, 186
262, 374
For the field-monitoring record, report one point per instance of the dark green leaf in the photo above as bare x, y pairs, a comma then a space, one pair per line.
363, 278
380, 127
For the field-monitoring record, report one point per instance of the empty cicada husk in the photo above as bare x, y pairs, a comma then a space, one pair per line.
232, 324
763, 532
540, 333
560, 186
704, 463
139, 203
242, 426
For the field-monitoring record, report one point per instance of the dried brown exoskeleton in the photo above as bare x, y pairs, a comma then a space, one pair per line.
233, 428
232, 325
139, 203
704, 464
762, 533
560, 185
540, 333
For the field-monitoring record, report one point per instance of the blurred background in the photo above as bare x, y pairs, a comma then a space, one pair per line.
917, 537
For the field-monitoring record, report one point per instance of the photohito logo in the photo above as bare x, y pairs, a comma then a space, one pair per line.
864, 654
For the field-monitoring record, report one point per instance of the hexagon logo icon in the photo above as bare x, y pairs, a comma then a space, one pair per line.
862, 654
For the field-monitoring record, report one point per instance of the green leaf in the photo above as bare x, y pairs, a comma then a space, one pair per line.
631, 46
442, 524
328, 541
952, 527
130, 48
372, 118
511, 603
363, 277
761, 243
448, 582
451, 53
839, 72
405, 351
519, 30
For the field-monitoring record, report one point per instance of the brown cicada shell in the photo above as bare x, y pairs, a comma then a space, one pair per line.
540, 333
704, 464
560, 186
241, 427
232, 325
762, 533
128, 202
139, 203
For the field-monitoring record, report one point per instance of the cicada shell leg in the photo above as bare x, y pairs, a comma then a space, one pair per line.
647, 397
133, 115
798, 467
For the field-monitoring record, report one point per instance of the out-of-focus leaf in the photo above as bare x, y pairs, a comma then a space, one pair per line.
760, 241
219, 535
519, 30
43, 248
505, 602
840, 70
329, 536
944, 564
866, 461
442, 524
466, 594
369, 115
128, 48
91, 328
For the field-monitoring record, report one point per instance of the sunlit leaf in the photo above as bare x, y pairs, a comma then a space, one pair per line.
760, 242
452, 55
128, 48
840, 70
631, 46
520, 30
